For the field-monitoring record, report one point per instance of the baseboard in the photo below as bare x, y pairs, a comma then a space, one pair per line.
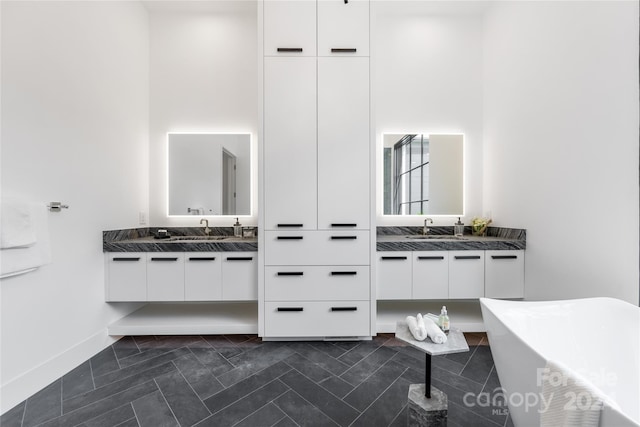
19, 388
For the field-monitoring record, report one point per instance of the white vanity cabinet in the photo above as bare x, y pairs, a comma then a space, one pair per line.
466, 274
126, 276
394, 275
165, 276
239, 276
430, 278
202, 276
504, 274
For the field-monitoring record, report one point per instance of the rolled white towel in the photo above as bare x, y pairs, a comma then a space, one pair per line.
434, 333
418, 333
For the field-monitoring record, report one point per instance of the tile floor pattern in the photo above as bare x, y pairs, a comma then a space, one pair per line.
238, 380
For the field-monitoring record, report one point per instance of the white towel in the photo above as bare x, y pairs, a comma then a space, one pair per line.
418, 333
434, 332
17, 228
19, 260
568, 399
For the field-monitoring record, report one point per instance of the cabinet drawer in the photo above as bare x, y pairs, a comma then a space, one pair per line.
430, 275
504, 274
317, 247
126, 276
466, 274
165, 276
394, 275
202, 276
316, 283
317, 319
239, 276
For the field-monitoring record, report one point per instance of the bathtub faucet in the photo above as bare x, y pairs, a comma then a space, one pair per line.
425, 229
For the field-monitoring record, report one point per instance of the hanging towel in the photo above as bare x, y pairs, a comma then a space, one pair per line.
418, 333
434, 332
17, 228
568, 399
23, 259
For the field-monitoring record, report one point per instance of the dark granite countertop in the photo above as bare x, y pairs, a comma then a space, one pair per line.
143, 240
410, 239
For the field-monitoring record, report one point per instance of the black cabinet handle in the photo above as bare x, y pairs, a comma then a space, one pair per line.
290, 309
164, 259
391, 258
126, 259
344, 224
289, 49
504, 256
344, 273
467, 257
289, 225
290, 273
344, 50
239, 258
344, 308
430, 257
344, 237
202, 258
289, 237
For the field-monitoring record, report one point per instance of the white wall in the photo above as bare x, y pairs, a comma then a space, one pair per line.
427, 78
561, 142
204, 78
74, 129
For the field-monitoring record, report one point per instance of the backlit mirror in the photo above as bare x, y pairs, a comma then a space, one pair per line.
423, 174
209, 174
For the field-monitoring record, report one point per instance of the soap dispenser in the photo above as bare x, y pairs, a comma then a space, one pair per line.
443, 320
237, 229
458, 228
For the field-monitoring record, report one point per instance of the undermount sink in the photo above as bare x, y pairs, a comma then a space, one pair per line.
196, 238
436, 237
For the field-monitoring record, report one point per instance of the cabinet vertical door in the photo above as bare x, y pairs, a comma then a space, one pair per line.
466, 274
239, 276
202, 276
504, 274
343, 142
165, 276
290, 27
126, 276
430, 275
290, 171
343, 25
394, 275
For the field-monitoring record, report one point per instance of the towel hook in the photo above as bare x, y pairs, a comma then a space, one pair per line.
57, 206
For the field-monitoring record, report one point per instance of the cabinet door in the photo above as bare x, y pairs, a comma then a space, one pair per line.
343, 142
343, 25
290, 27
202, 276
504, 274
290, 171
394, 275
430, 275
126, 276
165, 276
466, 274
239, 276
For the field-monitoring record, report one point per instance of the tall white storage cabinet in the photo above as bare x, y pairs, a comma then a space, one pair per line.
315, 263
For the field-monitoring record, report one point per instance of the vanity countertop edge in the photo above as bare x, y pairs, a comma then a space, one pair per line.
409, 239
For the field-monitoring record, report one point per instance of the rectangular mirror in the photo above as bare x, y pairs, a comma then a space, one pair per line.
209, 174
423, 174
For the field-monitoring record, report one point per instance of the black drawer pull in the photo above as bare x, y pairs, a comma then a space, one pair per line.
290, 309
239, 258
126, 259
164, 259
430, 257
504, 256
467, 257
289, 49
290, 273
344, 273
344, 308
202, 258
344, 237
288, 225
289, 237
391, 258
344, 50
344, 224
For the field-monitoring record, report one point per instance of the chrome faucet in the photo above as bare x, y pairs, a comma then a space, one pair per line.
207, 230
425, 229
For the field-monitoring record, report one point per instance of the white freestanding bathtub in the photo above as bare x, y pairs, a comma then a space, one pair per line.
598, 338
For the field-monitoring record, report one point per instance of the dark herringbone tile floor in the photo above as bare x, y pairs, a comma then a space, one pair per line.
238, 380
